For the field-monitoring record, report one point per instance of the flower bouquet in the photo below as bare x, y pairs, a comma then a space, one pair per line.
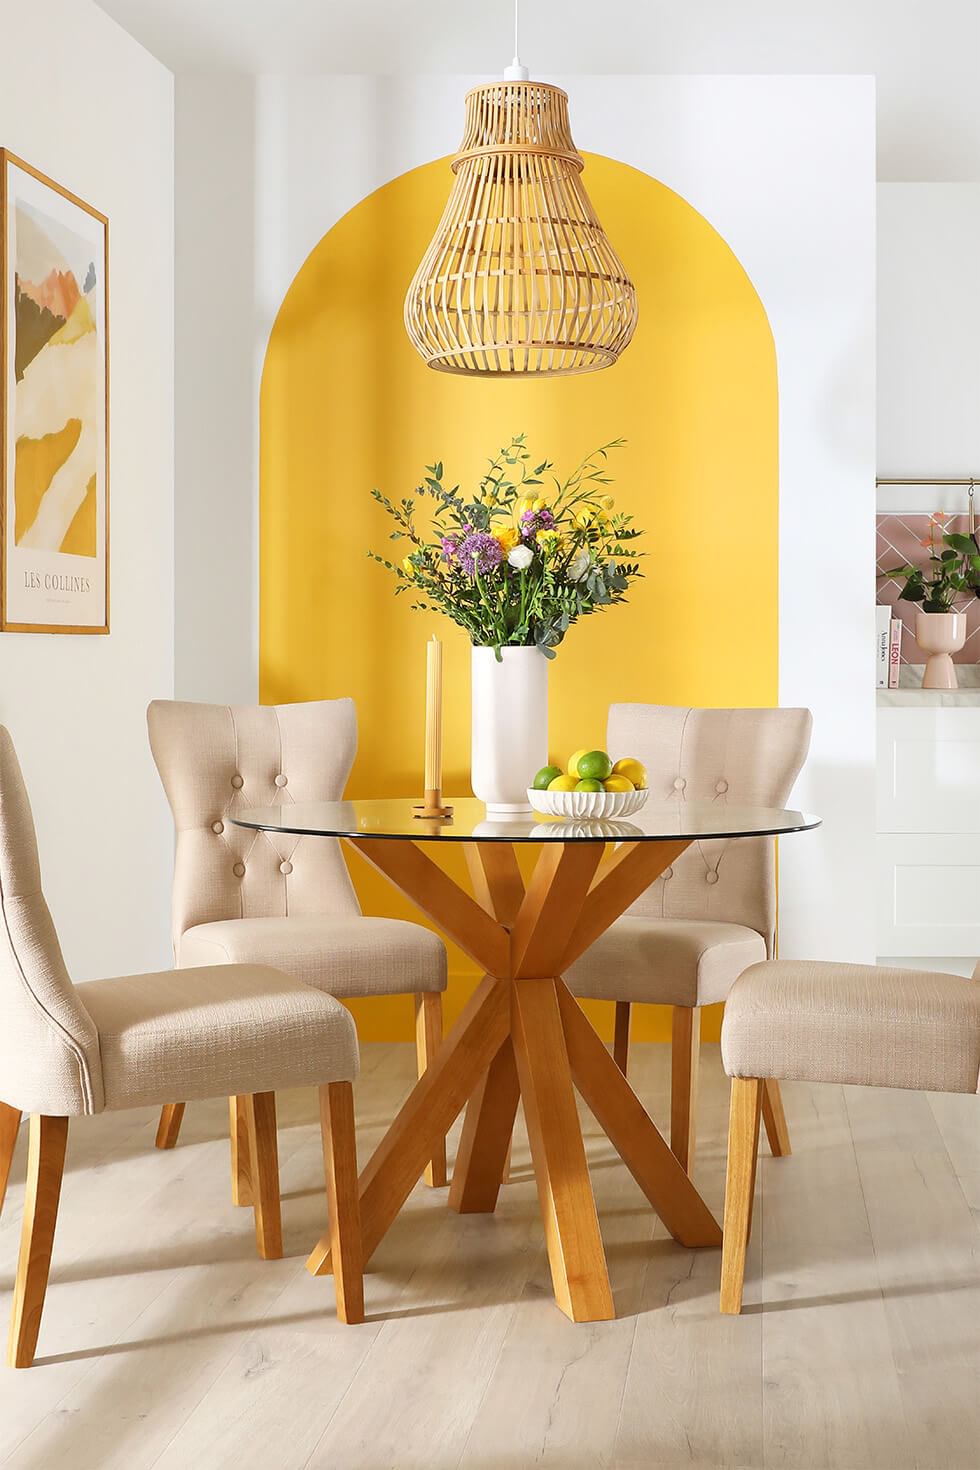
519, 560
514, 563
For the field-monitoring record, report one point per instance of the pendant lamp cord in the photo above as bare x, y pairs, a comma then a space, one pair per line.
516, 72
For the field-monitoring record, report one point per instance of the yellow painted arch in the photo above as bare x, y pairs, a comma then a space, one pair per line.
346, 405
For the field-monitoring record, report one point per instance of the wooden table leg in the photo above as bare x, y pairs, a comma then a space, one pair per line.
523, 1034
481, 1157
575, 1251
426, 1116
635, 1137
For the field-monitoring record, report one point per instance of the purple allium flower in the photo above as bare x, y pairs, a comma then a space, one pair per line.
533, 521
479, 552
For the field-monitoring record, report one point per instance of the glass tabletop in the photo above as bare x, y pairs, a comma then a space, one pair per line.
394, 818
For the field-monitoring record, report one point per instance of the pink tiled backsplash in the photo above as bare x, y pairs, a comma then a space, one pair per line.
900, 543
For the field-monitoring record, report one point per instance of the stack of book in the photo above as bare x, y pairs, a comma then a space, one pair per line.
888, 648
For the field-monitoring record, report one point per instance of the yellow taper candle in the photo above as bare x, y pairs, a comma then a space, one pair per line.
433, 720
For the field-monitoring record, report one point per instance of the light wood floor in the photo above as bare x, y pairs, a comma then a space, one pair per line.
167, 1343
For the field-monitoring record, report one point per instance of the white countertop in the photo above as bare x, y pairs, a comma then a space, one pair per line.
927, 698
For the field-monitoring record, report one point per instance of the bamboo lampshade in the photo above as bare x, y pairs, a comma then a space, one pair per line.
520, 276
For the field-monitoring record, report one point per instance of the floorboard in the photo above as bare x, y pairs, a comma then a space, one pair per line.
168, 1345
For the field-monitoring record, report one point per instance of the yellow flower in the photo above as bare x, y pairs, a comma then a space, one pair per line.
407, 566
506, 539
548, 538
525, 502
583, 516
607, 502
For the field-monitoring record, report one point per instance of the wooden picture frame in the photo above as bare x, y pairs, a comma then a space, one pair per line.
54, 406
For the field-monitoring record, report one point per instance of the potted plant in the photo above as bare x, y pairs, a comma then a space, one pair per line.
515, 563
952, 576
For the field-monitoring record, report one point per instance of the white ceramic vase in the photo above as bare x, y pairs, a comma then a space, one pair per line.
939, 635
510, 726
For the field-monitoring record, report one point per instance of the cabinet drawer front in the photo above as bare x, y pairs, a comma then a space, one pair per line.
929, 895
929, 770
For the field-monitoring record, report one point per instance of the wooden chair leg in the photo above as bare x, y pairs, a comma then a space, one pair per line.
340, 1168
168, 1129
45, 1167
684, 1057
621, 1036
775, 1119
9, 1128
428, 1039
241, 1162
743, 1148
260, 1118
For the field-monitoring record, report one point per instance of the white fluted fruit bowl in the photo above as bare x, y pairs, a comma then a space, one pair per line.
587, 805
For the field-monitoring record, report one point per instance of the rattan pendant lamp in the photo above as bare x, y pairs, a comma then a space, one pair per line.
520, 276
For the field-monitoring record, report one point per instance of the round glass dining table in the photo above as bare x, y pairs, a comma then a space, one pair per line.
522, 1036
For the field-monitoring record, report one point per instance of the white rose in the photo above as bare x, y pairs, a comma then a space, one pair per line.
580, 565
520, 557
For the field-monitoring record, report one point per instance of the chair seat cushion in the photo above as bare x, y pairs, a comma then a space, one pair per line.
214, 1032
344, 955
680, 962
811, 1021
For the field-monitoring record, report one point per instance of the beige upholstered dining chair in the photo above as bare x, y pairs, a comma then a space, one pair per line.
711, 915
810, 1021
67, 1050
242, 896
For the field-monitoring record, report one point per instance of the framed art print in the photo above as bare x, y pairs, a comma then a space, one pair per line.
54, 407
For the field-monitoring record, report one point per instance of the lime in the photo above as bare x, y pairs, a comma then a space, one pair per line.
594, 765
589, 783
545, 777
633, 770
618, 783
574, 760
563, 783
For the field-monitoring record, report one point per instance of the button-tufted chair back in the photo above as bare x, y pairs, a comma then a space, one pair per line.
49, 1046
740, 757
216, 759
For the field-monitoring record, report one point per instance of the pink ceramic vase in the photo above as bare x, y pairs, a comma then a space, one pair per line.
939, 635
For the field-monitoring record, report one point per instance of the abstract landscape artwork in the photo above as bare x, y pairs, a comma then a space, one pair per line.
54, 509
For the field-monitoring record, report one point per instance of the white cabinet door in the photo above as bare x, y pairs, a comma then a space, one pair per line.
929, 894
929, 771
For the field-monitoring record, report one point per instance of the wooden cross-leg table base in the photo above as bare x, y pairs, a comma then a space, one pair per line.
523, 1036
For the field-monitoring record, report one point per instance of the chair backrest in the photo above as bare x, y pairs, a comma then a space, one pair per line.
216, 759
742, 757
49, 1045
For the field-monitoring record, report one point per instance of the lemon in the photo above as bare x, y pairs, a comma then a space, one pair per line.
545, 777
574, 760
618, 783
595, 765
633, 770
588, 783
563, 783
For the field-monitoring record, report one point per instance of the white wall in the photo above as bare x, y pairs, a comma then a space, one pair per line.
783, 167
220, 350
929, 330
923, 53
82, 101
